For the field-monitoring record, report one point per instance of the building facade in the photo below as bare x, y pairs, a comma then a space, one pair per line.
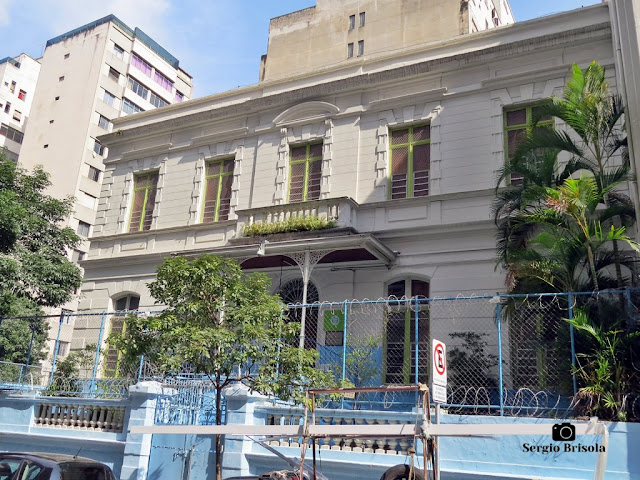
401, 153
90, 76
338, 33
18, 78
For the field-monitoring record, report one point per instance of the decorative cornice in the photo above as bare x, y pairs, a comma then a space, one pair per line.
343, 85
306, 113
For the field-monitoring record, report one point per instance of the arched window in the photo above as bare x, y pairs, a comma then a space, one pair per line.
112, 367
291, 293
400, 332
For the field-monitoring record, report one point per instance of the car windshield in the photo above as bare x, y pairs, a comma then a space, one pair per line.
79, 471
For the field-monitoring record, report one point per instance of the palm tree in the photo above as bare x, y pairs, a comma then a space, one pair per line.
597, 144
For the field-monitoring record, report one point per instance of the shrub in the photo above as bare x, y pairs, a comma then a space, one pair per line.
293, 224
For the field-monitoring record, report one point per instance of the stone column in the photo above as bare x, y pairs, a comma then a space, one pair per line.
137, 449
240, 406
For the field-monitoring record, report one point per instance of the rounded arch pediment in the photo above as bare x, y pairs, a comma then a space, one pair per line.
306, 112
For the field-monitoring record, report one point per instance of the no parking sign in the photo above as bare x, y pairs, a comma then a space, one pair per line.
439, 370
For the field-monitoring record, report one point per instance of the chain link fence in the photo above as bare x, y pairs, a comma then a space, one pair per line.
506, 354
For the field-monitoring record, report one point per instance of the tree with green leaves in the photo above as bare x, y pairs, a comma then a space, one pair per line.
225, 326
596, 145
34, 269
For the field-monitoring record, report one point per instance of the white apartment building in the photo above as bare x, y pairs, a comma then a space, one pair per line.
90, 76
18, 78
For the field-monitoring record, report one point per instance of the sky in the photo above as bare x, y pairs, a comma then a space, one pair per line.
218, 42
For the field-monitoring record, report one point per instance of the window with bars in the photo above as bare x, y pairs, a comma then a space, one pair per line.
400, 332
518, 122
410, 161
113, 362
305, 172
144, 199
217, 196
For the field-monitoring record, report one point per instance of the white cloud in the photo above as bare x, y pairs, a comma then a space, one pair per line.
4, 12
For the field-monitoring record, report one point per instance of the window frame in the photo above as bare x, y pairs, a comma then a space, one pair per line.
103, 122
352, 22
85, 226
406, 305
527, 126
162, 101
143, 211
307, 161
162, 80
220, 177
141, 64
362, 19
410, 170
92, 174
111, 98
129, 104
350, 50
137, 87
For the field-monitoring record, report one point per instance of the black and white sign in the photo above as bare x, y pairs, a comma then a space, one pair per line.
439, 393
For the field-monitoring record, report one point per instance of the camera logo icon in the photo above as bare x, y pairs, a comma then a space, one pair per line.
563, 432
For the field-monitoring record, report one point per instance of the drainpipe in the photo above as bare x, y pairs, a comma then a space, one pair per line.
620, 76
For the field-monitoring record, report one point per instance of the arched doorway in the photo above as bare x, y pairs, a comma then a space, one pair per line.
291, 293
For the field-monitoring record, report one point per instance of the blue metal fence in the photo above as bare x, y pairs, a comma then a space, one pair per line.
507, 354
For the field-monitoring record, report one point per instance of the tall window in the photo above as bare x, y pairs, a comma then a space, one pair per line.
352, 22
360, 48
113, 362
410, 161
349, 50
517, 123
114, 74
140, 64
305, 172
217, 197
144, 199
362, 18
400, 332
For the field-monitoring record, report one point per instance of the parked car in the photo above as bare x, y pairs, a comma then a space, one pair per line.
51, 466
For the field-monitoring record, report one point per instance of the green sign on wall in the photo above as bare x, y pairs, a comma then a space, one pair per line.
333, 320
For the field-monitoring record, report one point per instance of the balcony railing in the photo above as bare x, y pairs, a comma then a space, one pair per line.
342, 210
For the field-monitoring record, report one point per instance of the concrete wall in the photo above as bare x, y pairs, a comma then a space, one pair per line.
319, 37
160, 457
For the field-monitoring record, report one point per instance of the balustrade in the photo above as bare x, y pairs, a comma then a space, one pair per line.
387, 446
105, 418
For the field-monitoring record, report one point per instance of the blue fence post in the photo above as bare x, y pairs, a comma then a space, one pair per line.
26, 366
344, 350
96, 360
500, 373
416, 315
55, 349
573, 344
140, 368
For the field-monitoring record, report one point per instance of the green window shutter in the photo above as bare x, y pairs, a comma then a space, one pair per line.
305, 172
410, 161
518, 122
217, 196
144, 199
